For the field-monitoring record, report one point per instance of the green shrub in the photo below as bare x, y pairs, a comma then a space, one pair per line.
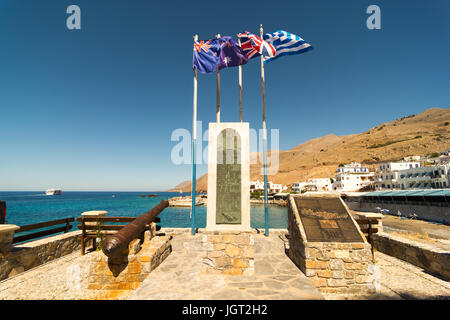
256, 194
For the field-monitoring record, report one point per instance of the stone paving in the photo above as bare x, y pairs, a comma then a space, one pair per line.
179, 276
399, 280
276, 277
65, 278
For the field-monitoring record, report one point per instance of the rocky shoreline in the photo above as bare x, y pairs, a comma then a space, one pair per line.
278, 202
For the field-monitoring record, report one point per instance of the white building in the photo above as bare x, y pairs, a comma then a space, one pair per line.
397, 166
318, 184
256, 186
352, 181
412, 158
271, 187
298, 186
354, 167
413, 177
386, 179
275, 187
388, 173
429, 177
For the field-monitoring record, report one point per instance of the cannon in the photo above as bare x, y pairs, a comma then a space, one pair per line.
115, 244
2, 212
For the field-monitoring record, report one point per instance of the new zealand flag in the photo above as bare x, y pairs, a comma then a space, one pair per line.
215, 54
207, 55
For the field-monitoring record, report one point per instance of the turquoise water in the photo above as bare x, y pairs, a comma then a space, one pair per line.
32, 207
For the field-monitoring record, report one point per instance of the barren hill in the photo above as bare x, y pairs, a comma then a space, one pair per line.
418, 134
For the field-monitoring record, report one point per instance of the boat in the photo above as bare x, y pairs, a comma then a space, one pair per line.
184, 202
53, 192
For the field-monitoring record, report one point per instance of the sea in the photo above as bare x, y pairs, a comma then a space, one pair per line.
30, 207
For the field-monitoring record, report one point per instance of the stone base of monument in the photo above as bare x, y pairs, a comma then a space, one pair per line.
228, 253
116, 278
326, 243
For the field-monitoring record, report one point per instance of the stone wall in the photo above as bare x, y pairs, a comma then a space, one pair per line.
428, 257
115, 278
31, 254
371, 216
228, 253
331, 267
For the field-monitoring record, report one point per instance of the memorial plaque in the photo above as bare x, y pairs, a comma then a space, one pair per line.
325, 219
228, 187
228, 207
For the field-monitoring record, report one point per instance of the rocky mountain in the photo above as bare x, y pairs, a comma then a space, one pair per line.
419, 134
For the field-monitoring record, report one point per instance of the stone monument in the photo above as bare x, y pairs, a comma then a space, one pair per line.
326, 243
228, 242
228, 177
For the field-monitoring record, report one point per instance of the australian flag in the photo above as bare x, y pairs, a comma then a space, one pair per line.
231, 54
216, 54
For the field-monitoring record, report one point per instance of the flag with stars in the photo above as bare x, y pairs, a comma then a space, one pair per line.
231, 54
206, 55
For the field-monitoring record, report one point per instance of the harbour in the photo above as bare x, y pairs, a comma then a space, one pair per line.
33, 207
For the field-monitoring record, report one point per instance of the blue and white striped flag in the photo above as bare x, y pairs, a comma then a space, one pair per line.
285, 43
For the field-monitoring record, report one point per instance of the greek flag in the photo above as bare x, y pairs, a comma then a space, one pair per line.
285, 43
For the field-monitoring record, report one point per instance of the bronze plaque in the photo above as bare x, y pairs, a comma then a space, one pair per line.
326, 220
228, 183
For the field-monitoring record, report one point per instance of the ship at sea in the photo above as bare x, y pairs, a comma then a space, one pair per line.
53, 191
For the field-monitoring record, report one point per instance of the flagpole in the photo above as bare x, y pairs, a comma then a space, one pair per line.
240, 86
194, 139
266, 197
218, 91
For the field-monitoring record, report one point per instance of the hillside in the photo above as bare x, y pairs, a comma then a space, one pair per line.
418, 134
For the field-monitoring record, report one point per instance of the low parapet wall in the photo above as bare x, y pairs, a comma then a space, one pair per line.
431, 259
22, 257
424, 212
113, 278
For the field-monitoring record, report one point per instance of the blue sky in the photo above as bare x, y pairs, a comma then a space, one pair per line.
94, 109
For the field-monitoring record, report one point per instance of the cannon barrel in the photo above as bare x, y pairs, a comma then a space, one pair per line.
2, 212
115, 244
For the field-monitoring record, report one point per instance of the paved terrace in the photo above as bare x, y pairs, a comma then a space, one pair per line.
180, 277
